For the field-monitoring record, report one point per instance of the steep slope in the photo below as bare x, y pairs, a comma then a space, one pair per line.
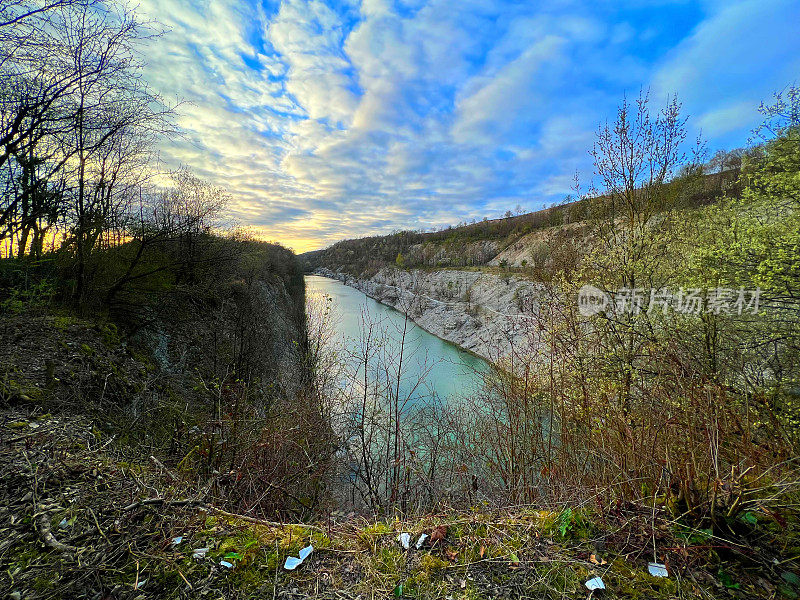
81, 521
483, 312
206, 372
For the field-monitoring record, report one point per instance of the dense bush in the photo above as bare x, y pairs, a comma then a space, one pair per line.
693, 411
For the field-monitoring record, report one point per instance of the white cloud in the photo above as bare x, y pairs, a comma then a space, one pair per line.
495, 106
326, 121
309, 36
733, 59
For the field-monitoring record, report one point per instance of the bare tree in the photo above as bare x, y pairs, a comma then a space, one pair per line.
634, 218
174, 218
77, 122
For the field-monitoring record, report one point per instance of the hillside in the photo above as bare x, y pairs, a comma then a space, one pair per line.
528, 241
200, 369
477, 284
82, 520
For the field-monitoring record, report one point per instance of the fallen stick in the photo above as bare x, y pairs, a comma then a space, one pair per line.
158, 464
151, 501
43, 521
225, 513
99, 529
231, 515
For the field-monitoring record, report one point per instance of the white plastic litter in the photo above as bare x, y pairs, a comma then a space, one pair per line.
405, 540
293, 562
657, 569
595, 583
177, 540
200, 552
226, 564
421, 540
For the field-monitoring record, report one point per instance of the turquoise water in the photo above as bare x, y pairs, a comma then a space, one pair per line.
430, 367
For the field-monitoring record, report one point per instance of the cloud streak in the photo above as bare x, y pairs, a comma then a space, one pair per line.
327, 120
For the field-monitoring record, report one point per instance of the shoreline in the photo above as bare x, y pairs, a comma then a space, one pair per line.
472, 353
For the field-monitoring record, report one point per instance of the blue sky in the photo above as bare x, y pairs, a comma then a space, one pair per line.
328, 120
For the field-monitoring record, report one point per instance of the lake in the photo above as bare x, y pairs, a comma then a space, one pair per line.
446, 370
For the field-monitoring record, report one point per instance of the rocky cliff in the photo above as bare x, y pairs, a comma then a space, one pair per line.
485, 313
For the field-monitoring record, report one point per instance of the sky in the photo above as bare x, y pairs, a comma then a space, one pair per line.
327, 120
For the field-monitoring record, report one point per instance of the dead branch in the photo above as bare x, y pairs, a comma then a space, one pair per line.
202, 505
158, 464
43, 521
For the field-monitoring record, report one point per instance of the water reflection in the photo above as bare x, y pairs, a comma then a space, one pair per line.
368, 332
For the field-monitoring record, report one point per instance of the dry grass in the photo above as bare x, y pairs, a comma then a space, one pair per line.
112, 543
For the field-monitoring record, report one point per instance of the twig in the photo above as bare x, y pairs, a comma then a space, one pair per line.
99, 529
225, 513
19, 438
151, 501
43, 521
191, 588
261, 521
158, 464
275, 585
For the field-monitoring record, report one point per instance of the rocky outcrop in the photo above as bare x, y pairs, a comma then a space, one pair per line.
485, 313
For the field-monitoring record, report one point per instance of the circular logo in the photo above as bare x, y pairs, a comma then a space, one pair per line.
591, 300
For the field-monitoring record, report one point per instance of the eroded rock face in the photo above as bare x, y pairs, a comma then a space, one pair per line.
484, 313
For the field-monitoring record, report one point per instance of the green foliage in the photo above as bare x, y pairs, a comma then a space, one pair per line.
753, 242
727, 580
572, 523
37, 294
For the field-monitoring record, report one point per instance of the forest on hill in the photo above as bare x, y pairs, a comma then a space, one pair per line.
478, 243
